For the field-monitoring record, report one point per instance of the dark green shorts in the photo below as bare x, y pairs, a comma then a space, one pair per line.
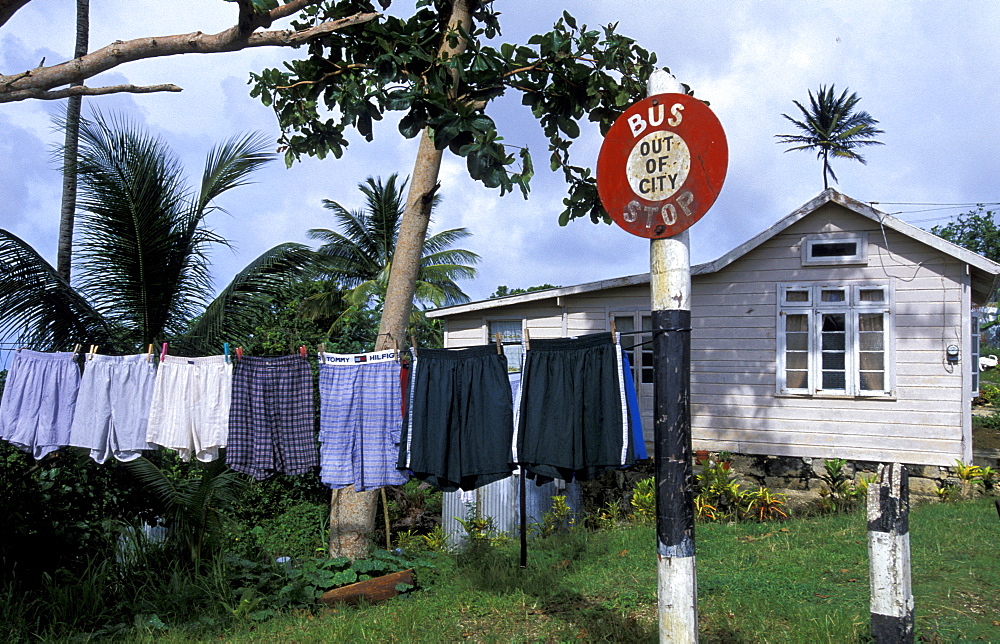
572, 417
460, 418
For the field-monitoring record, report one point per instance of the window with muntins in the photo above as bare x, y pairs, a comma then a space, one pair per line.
510, 331
835, 339
638, 347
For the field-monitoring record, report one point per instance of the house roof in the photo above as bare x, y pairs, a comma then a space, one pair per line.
984, 271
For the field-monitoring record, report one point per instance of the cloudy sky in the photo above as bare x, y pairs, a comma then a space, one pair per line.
926, 70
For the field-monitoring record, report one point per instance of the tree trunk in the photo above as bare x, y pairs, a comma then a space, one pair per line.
64, 251
357, 509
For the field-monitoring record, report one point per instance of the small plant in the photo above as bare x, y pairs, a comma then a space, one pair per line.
718, 488
765, 505
989, 394
841, 494
863, 483
643, 501
968, 476
607, 518
703, 509
968, 472
988, 477
559, 516
945, 492
436, 540
481, 530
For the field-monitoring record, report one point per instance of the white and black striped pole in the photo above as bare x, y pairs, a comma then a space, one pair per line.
661, 167
670, 290
889, 555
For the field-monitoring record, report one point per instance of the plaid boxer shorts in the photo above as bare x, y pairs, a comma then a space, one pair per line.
271, 418
360, 420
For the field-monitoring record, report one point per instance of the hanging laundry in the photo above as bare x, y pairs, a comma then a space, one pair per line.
39, 400
112, 409
459, 418
638, 439
572, 416
189, 412
360, 399
272, 418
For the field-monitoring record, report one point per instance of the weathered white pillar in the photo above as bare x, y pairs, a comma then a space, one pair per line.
889, 555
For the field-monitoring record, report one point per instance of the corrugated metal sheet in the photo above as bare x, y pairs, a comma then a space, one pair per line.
499, 500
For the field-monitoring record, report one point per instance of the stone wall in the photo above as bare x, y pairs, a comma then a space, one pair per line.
801, 478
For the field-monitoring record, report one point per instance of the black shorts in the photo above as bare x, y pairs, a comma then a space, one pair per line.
460, 418
572, 417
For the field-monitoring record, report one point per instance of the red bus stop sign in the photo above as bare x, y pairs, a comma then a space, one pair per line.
662, 165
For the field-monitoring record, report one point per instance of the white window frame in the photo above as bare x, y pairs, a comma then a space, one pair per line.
976, 337
636, 340
514, 353
852, 307
809, 242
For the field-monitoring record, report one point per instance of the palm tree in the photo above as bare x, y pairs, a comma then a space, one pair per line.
359, 258
195, 507
832, 128
142, 262
74, 104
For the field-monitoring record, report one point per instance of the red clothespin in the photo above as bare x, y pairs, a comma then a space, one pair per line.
239, 353
163, 351
302, 351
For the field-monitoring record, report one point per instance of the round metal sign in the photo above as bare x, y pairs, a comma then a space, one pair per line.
662, 165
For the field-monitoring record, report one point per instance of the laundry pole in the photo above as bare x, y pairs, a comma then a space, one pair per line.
670, 291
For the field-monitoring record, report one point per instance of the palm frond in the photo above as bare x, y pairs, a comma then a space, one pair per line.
232, 315
230, 164
40, 309
140, 255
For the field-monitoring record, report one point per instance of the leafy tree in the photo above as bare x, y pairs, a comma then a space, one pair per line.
142, 260
976, 230
47, 83
360, 257
504, 291
832, 128
436, 68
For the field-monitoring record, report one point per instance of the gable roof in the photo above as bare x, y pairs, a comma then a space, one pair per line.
984, 271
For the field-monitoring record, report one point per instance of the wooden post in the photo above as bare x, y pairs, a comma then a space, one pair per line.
889, 555
670, 290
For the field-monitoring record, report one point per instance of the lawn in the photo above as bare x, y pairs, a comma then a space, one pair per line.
804, 580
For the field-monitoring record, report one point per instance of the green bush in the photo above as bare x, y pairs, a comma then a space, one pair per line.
300, 531
989, 394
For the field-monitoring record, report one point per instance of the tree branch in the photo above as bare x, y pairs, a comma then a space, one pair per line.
83, 90
38, 82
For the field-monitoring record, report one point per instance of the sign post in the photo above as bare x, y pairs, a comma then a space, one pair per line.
661, 167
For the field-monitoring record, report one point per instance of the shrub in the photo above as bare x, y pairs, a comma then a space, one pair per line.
300, 531
764, 505
643, 501
989, 394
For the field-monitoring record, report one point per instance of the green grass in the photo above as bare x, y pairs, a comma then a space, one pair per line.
805, 580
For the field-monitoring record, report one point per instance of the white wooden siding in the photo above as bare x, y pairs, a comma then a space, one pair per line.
733, 399
733, 340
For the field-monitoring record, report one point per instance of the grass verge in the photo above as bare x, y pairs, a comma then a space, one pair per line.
800, 581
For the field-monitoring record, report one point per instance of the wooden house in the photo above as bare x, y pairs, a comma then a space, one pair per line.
838, 332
